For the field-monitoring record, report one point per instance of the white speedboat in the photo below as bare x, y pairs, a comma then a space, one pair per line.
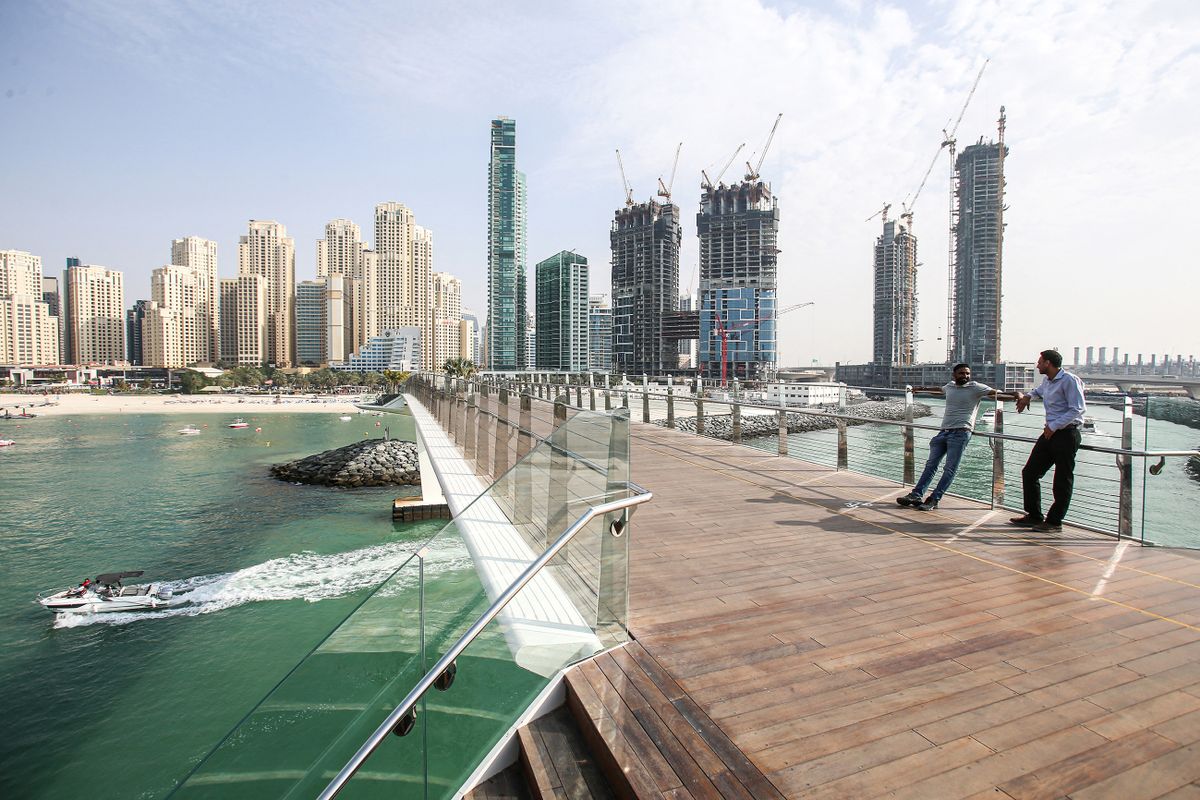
7, 442
345, 418
107, 594
190, 430
1088, 426
239, 423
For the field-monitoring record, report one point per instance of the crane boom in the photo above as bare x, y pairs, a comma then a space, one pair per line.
625, 181
725, 168
664, 190
753, 172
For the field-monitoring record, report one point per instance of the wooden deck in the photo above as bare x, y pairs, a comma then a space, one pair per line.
852, 648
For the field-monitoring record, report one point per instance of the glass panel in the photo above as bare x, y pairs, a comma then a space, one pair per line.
311, 724
1170, 500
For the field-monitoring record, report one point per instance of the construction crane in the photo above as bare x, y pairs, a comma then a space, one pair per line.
884, 211
664, 190
752, 172
724, 332
949, 141
625, 182
708, 184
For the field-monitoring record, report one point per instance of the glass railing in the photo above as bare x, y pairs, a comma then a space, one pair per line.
315, 721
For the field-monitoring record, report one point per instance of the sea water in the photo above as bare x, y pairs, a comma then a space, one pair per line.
124, 704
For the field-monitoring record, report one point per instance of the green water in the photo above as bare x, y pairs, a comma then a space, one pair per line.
125, 704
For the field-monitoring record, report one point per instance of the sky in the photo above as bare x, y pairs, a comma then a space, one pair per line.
126, 124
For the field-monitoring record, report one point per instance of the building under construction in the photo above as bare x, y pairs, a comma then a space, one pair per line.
895, 293
645, 241
977, 243
738, 228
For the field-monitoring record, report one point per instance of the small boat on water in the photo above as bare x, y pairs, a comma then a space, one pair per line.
190, 430
7, 442
345, 417
1088, 425
239, 423
107, 594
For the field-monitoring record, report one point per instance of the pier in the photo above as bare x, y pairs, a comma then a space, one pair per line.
798, 634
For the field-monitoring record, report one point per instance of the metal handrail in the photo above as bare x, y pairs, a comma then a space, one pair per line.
372, 743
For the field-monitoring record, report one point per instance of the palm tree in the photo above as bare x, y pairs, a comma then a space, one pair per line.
460, 367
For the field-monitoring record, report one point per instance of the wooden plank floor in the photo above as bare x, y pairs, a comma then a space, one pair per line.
851, 648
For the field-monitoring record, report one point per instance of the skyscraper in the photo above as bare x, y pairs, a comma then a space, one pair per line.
310, 323
506, 347
447, 319
95, 318
895, 294
645, 240
561, 308
200, 255
52, 297
267, 251
135, 319
342, 251
404, 273
29, 331
599, 334
977, 217
175, 330
469, 337
228, 289
738, 228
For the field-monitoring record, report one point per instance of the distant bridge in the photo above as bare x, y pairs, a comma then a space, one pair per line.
1132, 383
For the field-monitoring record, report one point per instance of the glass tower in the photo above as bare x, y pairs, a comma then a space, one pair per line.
506, 349
562, 312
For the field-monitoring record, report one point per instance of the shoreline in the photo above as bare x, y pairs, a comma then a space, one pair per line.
76, 404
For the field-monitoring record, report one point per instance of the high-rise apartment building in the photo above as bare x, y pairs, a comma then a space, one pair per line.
403, 276
342, 252
177, 329
977, 217
52, 297
228, 304
310, 323
599, 334
645, 240
252, 342
561, 309
506, 346
200, 255
468, 341
135, 319
397, 349
447, 319
29, 332
268, 252
895, 294
738, 227
95, 314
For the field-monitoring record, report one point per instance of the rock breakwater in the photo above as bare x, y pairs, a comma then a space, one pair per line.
372, 462
757, 423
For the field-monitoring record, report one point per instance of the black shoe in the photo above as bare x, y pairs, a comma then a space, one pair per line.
928, 505
1025, 521
909, 500
1047, 527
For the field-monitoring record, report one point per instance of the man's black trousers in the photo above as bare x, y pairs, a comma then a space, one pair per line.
1059, 452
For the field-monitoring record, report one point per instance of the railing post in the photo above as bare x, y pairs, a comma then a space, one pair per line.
482, 464
557, 497
579, 397
608, 399
523, 472
500, 456
736, 428
910, 471
998, 457
1125, 467
471, 423
670, 406
591, 399
560, 411
781, 418
843, 445
525, 434
699, 415
614, 537
645, 402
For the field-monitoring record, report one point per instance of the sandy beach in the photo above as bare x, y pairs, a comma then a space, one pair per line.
73, 404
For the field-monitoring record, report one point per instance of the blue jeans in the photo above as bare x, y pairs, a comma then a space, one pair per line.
949, 445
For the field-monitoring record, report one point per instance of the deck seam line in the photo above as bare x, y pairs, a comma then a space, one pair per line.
980, 559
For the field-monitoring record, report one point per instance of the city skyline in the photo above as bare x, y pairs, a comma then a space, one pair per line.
1093, 98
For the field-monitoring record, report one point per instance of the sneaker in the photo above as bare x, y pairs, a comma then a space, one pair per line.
909, 500
1047, 527
1025, 521
928, 505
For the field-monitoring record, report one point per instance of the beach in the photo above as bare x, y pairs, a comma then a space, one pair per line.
73, 404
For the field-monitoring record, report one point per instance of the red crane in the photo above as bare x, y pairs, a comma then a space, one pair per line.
724, 332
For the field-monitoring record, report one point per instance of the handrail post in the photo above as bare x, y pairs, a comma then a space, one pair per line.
998, 457
525, 432
614, 546
1125, 468
557, 496
608, 399
560, 412
736, 428
591, 399
471, 423
781, 417
699, 415
481, 439
523, 473
500, 455
910, 470
670, 406
645, 400
579, 397
843, 446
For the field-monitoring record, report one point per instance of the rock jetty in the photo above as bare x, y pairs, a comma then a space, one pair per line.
757, 423
371, 462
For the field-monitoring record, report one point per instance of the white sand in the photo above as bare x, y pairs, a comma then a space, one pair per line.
71, 404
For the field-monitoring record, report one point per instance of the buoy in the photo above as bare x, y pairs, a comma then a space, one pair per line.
376, 424
259, 430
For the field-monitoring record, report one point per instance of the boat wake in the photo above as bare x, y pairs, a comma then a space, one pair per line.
307, 576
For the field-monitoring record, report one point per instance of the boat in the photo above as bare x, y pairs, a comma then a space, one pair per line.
6, 442
345, 417
190, 430
1088, 425
239, 423
107, 594
22, 415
